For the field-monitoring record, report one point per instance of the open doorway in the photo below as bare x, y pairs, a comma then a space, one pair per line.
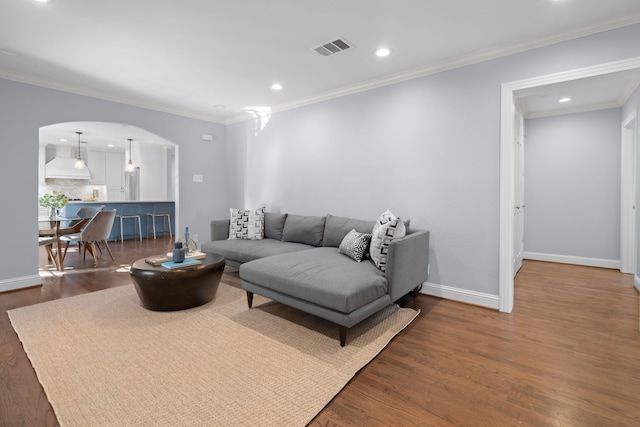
121, 164
508, 165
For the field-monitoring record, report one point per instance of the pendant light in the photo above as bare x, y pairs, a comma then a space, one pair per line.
79, 164
129, 167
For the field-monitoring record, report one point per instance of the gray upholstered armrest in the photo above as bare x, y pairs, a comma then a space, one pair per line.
407, 263
220, 229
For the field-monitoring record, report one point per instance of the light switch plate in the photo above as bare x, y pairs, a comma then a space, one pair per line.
198, 178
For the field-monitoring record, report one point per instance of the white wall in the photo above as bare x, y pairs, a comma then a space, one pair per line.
572, 185
428, 149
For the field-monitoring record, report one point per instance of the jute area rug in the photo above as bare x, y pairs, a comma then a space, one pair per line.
103, 360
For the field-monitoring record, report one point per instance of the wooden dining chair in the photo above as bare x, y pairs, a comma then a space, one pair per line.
48, 243
94, 234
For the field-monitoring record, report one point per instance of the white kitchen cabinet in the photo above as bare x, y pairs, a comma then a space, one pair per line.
115, 176
97, 163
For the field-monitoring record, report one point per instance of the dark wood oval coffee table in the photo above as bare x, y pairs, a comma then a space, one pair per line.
164, 289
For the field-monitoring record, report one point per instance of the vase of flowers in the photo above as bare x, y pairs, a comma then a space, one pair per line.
54, 201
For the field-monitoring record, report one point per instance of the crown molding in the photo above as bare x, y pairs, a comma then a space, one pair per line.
79, 90
449, 64
437, 67
578, 109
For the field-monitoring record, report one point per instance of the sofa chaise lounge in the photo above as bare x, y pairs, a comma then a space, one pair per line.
298, 262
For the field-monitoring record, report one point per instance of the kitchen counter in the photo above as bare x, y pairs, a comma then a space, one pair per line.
121, 202
130, 225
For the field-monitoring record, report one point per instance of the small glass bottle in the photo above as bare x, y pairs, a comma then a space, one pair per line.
178, 252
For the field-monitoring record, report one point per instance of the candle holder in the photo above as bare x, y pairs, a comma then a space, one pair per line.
188, 244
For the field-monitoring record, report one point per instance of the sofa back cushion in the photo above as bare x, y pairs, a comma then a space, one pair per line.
304, 229
337, 227
274, 225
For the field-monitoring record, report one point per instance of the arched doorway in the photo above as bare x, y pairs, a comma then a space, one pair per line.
106, 148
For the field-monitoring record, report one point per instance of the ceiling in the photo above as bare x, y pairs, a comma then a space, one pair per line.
592, 93
99, 136
213, 59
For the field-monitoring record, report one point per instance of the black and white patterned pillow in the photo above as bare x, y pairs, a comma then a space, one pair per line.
355, 245
246, 224
386, 228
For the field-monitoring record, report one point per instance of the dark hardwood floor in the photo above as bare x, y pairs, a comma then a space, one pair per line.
568, 355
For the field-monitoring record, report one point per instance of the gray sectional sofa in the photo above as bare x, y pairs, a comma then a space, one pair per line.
298, 263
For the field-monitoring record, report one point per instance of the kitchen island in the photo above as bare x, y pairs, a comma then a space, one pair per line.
130, 225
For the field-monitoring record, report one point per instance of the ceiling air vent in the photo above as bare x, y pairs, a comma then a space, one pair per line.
331, 48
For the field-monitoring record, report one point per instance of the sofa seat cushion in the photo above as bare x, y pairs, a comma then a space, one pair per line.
249, 250
321, 276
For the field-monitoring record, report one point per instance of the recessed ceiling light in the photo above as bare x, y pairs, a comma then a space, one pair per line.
63, 139
110, 145
383, 51
565, 99
219, 106
276, 86
43, 1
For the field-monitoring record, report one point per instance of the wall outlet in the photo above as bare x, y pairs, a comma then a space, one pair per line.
198, 178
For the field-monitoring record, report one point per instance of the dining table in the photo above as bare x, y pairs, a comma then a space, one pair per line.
57, 227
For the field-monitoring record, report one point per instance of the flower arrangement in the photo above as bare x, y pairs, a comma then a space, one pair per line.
54, 201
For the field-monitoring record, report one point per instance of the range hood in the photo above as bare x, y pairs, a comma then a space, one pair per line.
64, 168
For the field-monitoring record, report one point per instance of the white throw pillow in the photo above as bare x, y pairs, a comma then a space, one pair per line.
246, 224
355, 245
386, 228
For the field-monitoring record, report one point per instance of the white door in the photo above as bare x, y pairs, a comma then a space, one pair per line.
518, 209
628, 192
115, 176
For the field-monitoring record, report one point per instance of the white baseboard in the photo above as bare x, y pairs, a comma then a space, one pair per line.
461, 295
19, 283
564, 259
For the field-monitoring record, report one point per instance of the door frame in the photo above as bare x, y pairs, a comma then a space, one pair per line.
518, 176
507, 167
628, 236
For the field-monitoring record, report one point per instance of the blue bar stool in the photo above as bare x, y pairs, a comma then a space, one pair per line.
160, 210
130, 212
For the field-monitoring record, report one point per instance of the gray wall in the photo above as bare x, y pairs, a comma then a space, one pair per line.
428, 149
25, 108
572, 185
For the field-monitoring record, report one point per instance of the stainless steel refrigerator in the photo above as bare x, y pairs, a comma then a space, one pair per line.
132, 184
